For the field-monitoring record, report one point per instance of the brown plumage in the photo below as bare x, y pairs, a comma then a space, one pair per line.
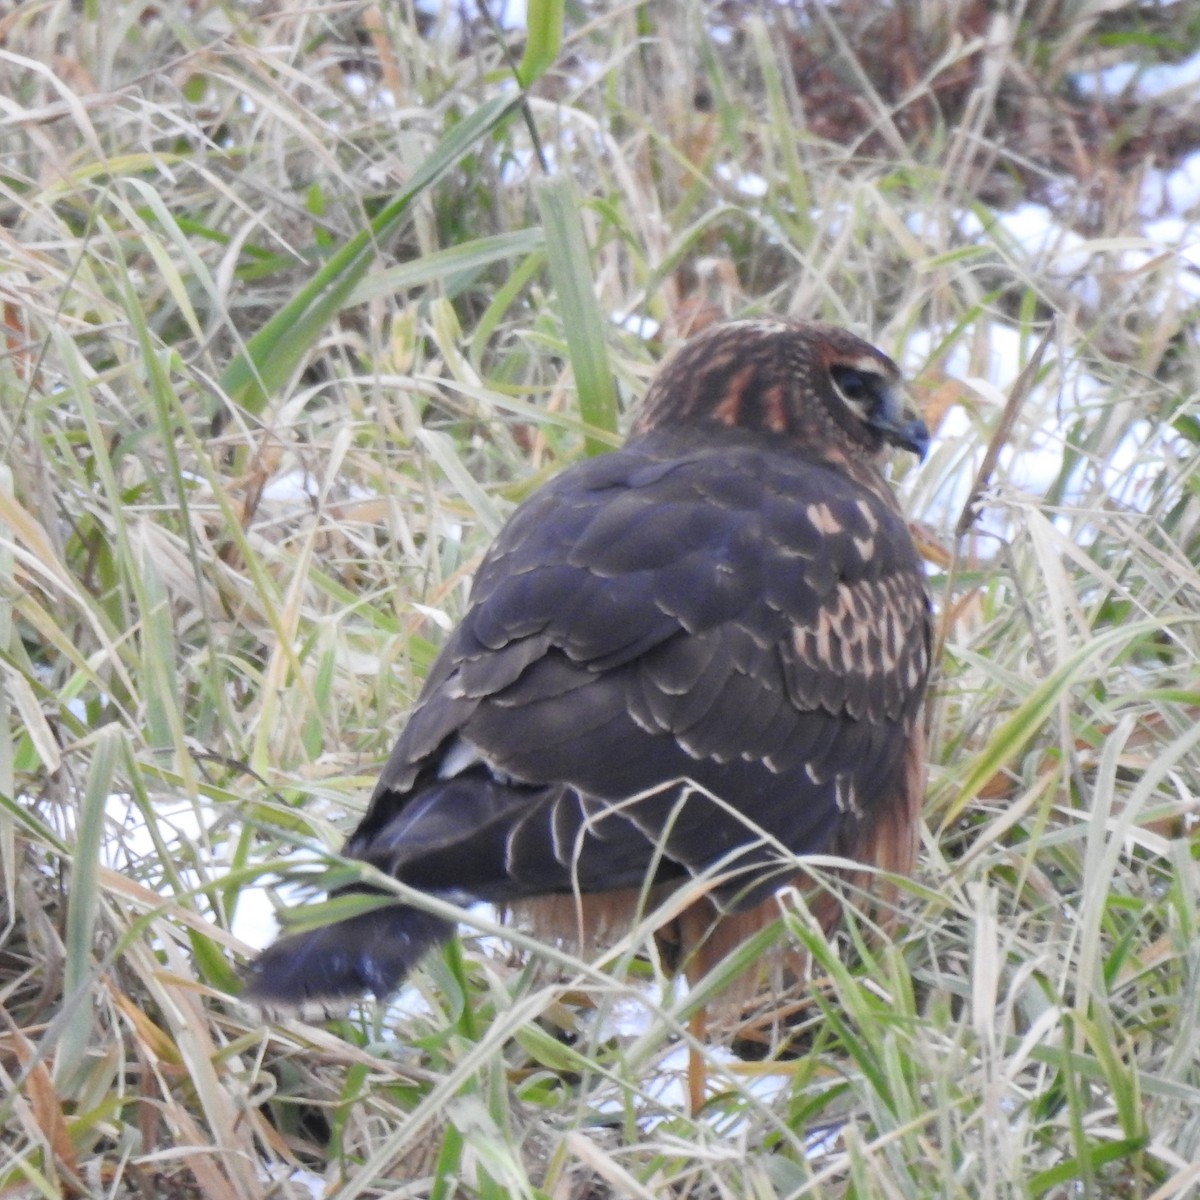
724, 619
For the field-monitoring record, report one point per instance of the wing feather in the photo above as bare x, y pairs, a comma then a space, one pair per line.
676, 619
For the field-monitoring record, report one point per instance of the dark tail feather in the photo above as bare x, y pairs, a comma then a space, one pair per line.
371, 952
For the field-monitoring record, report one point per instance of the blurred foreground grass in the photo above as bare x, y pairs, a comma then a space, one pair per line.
231, 541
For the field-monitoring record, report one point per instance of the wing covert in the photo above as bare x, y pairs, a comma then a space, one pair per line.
735, 617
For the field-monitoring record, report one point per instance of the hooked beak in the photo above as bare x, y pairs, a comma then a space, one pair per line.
899, 424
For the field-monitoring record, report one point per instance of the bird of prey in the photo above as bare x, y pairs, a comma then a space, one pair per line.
704, 653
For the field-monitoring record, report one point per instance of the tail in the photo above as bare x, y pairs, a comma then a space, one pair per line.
370, 952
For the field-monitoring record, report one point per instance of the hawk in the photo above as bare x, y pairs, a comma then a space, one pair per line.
704, 653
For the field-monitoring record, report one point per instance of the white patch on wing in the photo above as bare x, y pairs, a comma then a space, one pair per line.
845, 796
868, 514
822, 518
460, 755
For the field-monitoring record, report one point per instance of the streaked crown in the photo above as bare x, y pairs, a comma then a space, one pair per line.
818, 384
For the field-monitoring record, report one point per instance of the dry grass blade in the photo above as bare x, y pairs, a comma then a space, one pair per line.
1001, 435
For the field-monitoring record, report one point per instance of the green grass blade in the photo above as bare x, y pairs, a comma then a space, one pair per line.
273, 353
583, 323
1018, 730
436, 267
83, 903
543, 40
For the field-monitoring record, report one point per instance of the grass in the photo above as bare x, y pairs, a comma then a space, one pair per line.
292, 319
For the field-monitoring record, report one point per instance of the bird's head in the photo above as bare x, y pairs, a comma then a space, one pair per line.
815, 383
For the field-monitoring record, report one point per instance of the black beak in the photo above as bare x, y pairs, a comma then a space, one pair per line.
912, 435
900, 425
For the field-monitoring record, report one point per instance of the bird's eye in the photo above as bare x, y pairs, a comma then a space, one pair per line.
857, 388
